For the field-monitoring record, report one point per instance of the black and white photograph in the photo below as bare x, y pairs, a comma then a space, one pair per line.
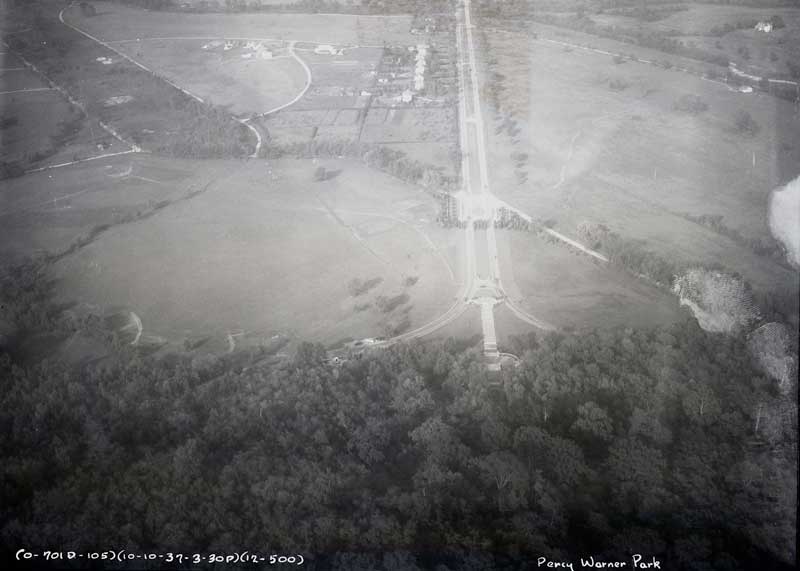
399, 285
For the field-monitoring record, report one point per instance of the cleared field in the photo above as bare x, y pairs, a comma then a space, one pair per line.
39, 126
238, 78
19, 79
580, 138
115, 22
142, 108
567, 290
46, 212
704, 26
266, 250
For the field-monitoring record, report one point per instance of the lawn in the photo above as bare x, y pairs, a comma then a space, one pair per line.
578, 137
40, 127
266, 250
566, 289
46, 212
237, 78
141, 107
115, 22
699, 26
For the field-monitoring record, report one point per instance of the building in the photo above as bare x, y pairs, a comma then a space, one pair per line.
324, 49
765, 27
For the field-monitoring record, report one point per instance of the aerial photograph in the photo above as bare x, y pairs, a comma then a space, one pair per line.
399, 285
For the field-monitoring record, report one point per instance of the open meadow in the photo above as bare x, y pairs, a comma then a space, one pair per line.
243, 77
567, 290
115, 22
264, 249
727, 31
578, 137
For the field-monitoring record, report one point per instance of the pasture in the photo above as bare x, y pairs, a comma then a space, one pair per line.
578, 137
116, 22
704, 26
568, 291
44, 213
39, 126
239, 78
265, 250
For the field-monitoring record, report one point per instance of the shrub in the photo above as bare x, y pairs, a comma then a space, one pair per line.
745, 124
690, 103
618, 84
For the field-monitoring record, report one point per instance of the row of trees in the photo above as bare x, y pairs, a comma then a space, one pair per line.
392, 161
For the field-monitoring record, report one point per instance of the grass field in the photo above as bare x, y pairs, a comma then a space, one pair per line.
565, 289
144, 109
235, 79
115, 22
39, 126
695, 27
46, 212
604, 144
265, 250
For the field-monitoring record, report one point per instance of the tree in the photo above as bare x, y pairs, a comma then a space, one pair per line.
745, 124
690, 103
87, 10
594, 421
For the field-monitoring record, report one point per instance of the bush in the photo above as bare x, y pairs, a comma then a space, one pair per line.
618, 85
10, 170
745, 124
690, 104
357, 287
87, 10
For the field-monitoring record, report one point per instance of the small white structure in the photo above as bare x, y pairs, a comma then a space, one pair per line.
407, 96
324, 49
765, 27
117, 100
745, 89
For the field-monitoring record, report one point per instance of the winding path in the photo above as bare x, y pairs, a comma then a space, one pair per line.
300, 95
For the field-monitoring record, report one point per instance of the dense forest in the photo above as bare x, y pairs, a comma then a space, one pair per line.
665, 442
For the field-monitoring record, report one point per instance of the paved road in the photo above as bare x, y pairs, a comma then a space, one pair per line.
482, 281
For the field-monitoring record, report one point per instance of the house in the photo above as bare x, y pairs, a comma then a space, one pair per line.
324, 49
765, 27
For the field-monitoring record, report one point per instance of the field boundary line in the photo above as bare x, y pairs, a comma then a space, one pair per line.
30, 90
413, 227
105, 156
575, 244
53, 85
242, 39
126, 57
159, 76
